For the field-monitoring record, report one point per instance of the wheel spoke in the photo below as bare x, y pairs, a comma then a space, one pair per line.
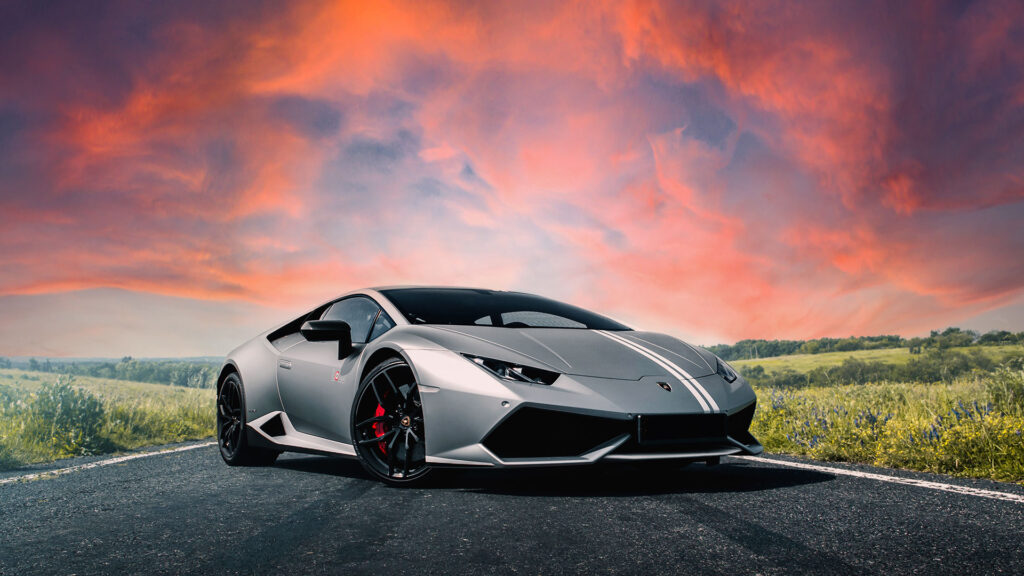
405, 469
382, 438
396, 389
373, 420
376, 393
391, 455
410, 397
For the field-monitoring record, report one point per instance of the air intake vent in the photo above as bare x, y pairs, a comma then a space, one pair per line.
739, 425
538, 433
273, 427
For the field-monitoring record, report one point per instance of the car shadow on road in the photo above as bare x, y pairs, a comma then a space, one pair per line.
601, 480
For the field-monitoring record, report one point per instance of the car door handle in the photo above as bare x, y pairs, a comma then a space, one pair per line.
286, 364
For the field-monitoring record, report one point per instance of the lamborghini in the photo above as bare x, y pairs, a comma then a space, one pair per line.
411, 379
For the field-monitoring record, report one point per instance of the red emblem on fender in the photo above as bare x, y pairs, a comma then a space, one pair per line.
337, 375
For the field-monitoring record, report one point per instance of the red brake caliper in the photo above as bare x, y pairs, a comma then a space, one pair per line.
380, 428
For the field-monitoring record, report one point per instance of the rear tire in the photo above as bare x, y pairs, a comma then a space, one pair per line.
387, 425
232, 438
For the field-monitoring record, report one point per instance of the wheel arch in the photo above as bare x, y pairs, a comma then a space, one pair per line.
378, 356
228, 368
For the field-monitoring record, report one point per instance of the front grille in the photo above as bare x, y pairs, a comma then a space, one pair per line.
678, 433
539, 433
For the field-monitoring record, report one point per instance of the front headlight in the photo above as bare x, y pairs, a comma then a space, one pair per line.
514, 372
726, 371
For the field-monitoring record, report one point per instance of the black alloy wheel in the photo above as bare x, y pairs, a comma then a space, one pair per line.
387, 424
231, 435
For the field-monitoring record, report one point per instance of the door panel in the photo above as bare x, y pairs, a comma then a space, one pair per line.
317, 389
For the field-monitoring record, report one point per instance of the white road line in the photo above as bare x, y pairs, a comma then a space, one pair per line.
99, 463
1009, 497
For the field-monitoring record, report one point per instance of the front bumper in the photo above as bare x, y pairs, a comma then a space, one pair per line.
475, 419
535, 436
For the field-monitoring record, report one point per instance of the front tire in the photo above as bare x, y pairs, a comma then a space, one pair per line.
387, 424
231, 434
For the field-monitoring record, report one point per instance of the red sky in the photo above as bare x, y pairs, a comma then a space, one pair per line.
175, 177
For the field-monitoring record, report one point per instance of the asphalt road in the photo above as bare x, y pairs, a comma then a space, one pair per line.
187, 512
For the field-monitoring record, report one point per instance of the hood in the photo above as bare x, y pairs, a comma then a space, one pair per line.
624, 355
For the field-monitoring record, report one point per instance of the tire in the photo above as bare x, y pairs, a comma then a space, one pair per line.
387, 425
231, 432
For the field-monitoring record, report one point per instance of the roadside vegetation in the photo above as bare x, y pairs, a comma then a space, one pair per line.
44, 417
954, 411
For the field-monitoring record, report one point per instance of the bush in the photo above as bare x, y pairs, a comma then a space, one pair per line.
66, 418
1006, 389
7, 460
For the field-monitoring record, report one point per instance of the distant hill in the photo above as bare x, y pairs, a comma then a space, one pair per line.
948, 338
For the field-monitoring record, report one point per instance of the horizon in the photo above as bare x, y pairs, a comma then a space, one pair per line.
176, 178
211, 357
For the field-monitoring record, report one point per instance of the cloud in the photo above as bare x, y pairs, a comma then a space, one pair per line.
720, 171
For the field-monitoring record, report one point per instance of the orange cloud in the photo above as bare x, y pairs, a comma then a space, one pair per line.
726, 170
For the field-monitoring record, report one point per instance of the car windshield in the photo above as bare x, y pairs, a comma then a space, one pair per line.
469, 307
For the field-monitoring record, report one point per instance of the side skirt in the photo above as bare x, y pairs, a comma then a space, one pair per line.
292, 440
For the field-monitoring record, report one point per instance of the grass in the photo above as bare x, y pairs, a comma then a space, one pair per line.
971, 427
44, 417
808, 362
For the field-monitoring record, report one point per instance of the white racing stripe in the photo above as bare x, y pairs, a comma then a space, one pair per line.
643, 352
99, 463
702, 395
696, 384
1007, 496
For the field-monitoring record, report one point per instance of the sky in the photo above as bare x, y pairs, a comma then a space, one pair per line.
176, 177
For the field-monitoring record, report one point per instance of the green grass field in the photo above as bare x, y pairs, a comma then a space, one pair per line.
971, 427
808, 362
44, 417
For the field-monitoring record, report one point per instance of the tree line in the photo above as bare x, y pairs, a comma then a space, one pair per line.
934, 365
948, 338
187, 373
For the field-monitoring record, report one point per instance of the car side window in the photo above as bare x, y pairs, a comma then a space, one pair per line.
360, 313
382, 325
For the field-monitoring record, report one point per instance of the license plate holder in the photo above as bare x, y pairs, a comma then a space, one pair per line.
679, 428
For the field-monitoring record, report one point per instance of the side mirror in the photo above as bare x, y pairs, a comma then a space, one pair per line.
330, 331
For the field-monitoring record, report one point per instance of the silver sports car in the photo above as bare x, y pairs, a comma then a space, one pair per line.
408, 379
